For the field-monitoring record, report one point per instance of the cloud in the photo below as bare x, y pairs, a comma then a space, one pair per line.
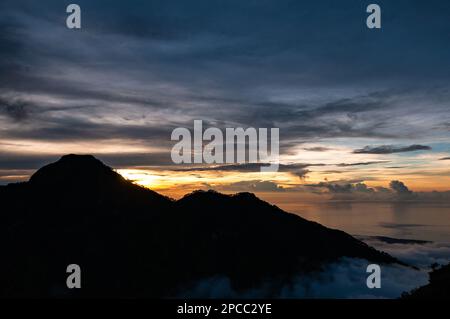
181, 61
245, 167
14, 176
14, 108
302, 173
317, 149
400, 188
343, 279
400, 226
347, 279
390, 149
30, 162
251, 186
296, 169
357, 190
420, 255
445, 159
361, 163
255, 167
344, 188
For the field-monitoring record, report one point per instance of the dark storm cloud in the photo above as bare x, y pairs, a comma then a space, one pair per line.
11, 161
263, 36
390, 149
298, 169
92, 131
347, 117
373, 115
15, 109
311, 68
72, 129
134, 160
247, 167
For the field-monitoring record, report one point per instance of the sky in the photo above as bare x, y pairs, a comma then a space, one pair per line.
363, 113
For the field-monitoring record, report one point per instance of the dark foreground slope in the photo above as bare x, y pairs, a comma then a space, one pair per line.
133, 242
437, 288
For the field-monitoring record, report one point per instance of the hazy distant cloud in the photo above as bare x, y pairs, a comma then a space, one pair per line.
400, 188
344, 188
302, 173
251, 186
356, 190
14, 176
400, 226
317, 149
389, 149
359, 191
445, 159
361, 163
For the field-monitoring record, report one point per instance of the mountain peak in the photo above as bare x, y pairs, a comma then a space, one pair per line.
74, 169
78, 158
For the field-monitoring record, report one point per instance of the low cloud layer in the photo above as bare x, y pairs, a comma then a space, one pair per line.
250, 186
420, 255
343, 279
390, 149
359, 191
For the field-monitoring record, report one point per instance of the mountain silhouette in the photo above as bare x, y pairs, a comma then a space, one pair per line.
437, 288
133, 242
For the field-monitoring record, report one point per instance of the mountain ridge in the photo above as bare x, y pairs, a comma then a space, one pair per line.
133, 242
